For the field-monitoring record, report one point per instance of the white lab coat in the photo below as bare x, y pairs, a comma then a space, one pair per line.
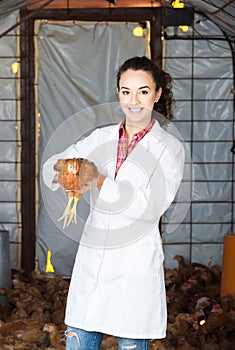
117, 285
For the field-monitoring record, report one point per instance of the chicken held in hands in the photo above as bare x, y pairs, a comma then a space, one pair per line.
75, 176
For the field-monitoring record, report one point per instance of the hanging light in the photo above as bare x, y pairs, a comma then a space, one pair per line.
15, 67
112, 2
184, 29
177, 4
139, 30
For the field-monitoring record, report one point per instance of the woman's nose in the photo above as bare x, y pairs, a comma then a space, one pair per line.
134, 98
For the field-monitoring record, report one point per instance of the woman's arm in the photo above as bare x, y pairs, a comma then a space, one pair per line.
149, 201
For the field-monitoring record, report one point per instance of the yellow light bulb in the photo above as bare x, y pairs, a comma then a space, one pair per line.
138, 31
184, 28
15, 67
177, 4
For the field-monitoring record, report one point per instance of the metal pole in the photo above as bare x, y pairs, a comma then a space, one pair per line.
5, 268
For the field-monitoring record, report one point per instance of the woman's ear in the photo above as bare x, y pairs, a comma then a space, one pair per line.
158, 94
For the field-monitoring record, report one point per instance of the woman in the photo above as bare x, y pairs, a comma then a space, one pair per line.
117, 285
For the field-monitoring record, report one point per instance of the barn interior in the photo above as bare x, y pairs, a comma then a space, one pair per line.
57, 77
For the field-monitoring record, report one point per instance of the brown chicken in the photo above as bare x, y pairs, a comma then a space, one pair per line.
75, 175
21, 331
57, 338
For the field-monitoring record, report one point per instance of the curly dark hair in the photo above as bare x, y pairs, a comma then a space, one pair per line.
162, 79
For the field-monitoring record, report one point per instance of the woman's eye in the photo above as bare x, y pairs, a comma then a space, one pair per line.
144, 92
125, 93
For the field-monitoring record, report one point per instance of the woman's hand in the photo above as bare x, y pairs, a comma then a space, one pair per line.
96, 182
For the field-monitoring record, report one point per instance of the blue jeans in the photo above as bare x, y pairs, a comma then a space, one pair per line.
79, 339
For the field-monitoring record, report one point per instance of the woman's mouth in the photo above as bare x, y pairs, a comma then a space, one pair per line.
135, 109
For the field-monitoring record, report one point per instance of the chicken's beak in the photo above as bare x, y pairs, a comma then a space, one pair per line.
46, 328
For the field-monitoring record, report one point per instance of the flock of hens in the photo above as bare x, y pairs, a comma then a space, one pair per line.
32, 311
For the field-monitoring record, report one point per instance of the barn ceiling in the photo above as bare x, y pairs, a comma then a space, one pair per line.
222, 12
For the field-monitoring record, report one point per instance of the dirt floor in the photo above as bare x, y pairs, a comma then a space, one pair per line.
32, 312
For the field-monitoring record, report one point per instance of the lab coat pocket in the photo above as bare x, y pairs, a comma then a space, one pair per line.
144, 304
146, 259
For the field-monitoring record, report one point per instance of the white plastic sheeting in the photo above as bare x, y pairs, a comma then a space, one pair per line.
202, 70
77, 69
8, 136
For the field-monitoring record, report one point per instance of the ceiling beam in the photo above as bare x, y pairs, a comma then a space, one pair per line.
71, 4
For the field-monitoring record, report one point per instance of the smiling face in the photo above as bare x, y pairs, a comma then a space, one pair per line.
137, 94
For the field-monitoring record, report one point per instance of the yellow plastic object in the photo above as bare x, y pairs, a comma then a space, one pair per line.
49, 266
228, 266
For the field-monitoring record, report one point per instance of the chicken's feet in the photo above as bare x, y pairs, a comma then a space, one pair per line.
70, 214
66, 214
73, 213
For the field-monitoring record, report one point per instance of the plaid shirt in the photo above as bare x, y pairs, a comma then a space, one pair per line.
123, 148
